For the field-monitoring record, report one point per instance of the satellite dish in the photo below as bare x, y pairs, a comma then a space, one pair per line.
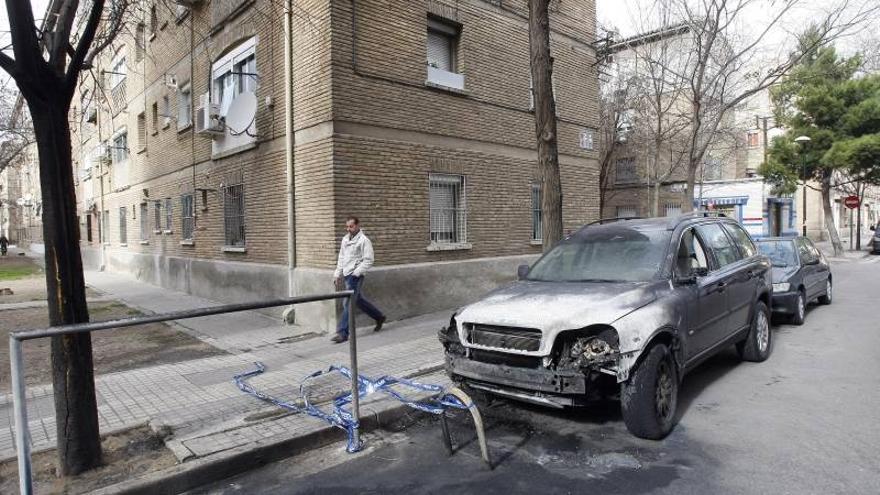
27, 198
241, 113
19, 201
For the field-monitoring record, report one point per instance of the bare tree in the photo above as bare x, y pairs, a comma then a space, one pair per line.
16, 131
545, 123
726, 65
46, 63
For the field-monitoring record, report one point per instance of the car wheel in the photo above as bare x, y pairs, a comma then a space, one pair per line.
826, 299
800, 309
757, 345
650, 396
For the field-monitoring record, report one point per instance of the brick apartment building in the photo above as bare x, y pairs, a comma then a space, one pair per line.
415, 116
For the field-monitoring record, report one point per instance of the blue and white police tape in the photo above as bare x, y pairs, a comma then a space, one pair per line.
341, 417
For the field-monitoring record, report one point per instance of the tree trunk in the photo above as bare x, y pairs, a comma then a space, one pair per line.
861, 193
545, 123
688, 205
829, 217
76, 412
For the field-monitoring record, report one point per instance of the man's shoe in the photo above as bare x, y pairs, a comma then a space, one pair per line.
338, 339
379, 323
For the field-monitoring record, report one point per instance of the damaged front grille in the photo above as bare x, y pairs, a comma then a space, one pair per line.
515, 360
518, 339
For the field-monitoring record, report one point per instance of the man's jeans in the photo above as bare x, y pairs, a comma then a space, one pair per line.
354, 283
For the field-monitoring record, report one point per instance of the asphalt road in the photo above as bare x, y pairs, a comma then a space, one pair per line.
805, 421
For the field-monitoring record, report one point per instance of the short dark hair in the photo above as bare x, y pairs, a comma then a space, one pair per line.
352, 218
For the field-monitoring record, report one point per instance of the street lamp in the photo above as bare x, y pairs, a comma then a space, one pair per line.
803, 140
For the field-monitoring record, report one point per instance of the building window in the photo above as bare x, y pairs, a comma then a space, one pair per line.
154, 20
537, 226
118, 72
627, 212
155, 119
119, 153
625, 171
157, 221
673, 209
184, 106
234, 74
168, 215
139, 42
448, 209
145, 222
142, 131
123, 225
754, 140
712, 169
233, 215
166, 111
442, 54
105, 226
532, 92
186, 217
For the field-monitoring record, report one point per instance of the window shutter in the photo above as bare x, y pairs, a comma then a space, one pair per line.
439, 51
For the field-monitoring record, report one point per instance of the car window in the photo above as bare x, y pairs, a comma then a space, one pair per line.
691, 254
725, 252
813, 249
615, 254
804, 251
742, 239
781, 253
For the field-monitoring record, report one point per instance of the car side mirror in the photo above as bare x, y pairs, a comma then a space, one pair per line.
691, 278
814, 261
522, 271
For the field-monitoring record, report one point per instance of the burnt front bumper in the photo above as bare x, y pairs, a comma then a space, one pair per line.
523, 380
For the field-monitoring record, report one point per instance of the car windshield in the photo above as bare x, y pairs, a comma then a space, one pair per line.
781, 253
610, 254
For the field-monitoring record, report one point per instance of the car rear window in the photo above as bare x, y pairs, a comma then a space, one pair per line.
781, 253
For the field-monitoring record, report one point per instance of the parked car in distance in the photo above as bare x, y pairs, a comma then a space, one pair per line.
800, 275
875, 242
623, 307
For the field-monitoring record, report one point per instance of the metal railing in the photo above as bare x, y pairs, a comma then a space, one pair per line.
16, 358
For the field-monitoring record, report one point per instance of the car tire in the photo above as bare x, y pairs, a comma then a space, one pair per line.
800, 309
649, 398
757, 345
826, 299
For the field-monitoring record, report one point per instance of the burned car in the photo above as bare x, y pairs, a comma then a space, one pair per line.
620, 308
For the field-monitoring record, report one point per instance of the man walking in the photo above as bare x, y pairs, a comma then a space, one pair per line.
355, 258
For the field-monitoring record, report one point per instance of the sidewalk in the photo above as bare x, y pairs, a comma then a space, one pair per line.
847, 254
198, 400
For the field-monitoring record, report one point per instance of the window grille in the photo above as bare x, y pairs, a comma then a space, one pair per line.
448, 208
673, 209
186, 217
627, 211
168, 216
537, 225
157, 221
233, 213
625, 171
145, 222
123, 227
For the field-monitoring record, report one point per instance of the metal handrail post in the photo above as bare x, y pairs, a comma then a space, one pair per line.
19, 405
352, 349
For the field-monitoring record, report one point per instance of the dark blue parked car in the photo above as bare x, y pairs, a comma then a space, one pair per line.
800, 275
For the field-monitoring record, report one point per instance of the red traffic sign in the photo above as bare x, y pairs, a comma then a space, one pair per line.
852, 202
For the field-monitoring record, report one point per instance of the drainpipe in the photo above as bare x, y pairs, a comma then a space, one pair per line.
289, 144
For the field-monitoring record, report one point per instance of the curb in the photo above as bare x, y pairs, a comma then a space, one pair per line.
196, 473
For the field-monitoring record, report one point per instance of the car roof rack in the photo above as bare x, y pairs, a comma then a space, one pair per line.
702, 213
603, 221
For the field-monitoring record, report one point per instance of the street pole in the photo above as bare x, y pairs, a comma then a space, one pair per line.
850, 229
804, 214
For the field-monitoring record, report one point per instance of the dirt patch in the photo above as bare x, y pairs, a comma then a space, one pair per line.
128, 454
26, 279
113, 350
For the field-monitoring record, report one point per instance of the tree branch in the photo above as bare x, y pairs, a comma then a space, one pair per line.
82, 47
9, 65
25, 44
63, 22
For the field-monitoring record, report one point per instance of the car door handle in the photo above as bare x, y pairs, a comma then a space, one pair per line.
719, 287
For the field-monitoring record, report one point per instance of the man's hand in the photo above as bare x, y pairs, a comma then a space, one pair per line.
338, 283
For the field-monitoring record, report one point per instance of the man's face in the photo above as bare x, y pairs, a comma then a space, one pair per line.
351, 227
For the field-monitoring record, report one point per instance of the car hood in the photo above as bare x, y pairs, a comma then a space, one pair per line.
783, 273
553, 307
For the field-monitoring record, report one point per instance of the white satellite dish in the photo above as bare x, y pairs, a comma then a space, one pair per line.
241, 113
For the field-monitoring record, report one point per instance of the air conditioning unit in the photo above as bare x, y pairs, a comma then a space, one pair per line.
207, 118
